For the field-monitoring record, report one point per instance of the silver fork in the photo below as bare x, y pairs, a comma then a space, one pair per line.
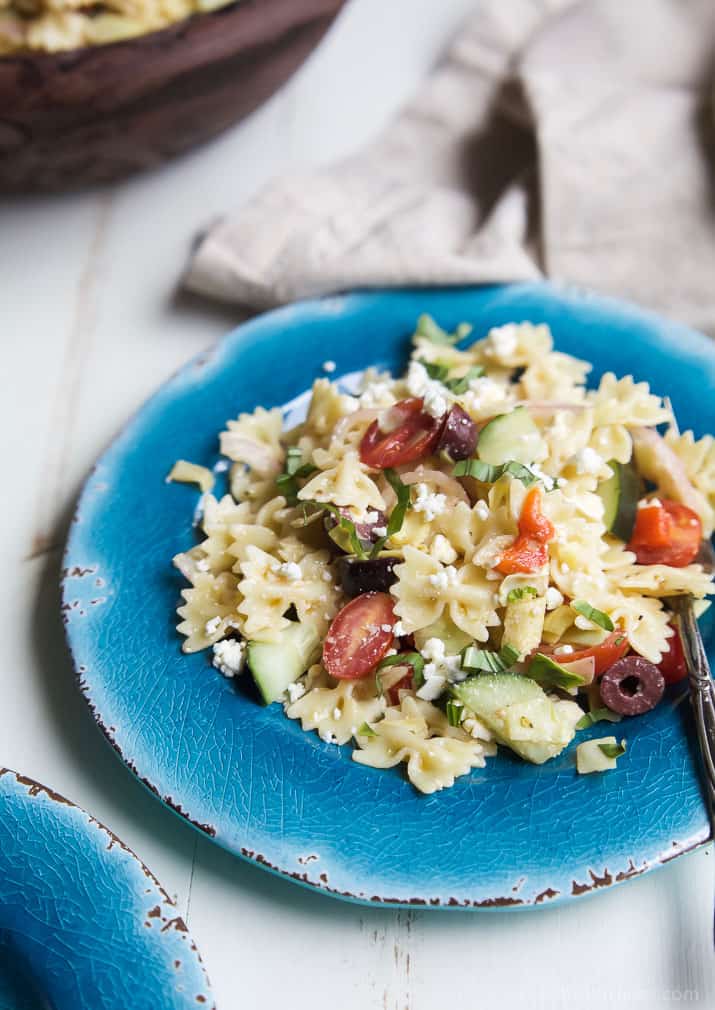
702, 689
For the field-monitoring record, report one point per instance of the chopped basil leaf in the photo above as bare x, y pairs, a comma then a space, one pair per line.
476, 660
521, 593
547, 671
366, 730
343, 523
434, 369
397, 516
492, 472
590, 718
453, 710
295, 469
461, 385
613, 750
597, 616
428, 328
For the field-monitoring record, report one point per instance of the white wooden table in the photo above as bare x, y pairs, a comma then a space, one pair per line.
90, 325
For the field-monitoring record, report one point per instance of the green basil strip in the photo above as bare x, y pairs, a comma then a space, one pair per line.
549, 673
613, 750
366, 730
596, 616
453, 711
434, 369
397, 516
287, 482
590, 718
490, 473
522, 593
428, 328
461, 385
476, 660
343, 523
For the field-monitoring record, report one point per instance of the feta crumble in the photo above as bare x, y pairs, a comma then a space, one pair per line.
430, 504
482, 510
432, 688
380, 531
398, 629
212, 625
434, 403
329, 366
295, 691
290, 570
563, 650
229, 656
202, 565
583, 623
502, 340
442, 550
446, 577
588, 461
647, 503
554, 598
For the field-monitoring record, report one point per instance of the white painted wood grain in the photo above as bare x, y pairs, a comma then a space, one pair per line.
90, 326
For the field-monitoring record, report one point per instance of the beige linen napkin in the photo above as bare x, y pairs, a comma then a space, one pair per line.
569, 139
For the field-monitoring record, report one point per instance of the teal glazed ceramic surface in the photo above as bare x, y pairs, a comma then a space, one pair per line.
511, 834
83, 924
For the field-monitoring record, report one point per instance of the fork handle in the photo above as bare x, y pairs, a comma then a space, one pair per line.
702, 694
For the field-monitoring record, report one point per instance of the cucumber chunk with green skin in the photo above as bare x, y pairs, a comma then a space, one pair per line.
620, 494
520, 715
275, 665
512, 436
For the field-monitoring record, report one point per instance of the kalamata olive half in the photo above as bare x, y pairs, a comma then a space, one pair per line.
368, 575
458, 437
632, 686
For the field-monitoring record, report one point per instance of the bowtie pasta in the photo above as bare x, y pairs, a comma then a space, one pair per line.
478, 552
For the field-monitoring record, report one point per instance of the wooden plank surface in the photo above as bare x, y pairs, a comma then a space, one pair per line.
91, 324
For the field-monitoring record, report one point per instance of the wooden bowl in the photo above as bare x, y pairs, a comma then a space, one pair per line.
95, 114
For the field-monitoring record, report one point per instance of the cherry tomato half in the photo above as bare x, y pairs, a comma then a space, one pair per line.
393, 693
413, 435
672, 664
360, 635
666, 534
604, 655
528, 553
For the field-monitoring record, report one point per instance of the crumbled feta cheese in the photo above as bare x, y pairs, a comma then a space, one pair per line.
430, 504
434, 403
222, 466
442, 550
387, 628
482, 510
212, 625
229, 656
291, 571
583, 623
377, 394
564, 568
371, 517
587, 460
295, 691
545, 479
433, 650
444, 578
398, 629
438, 664
326, 736
646, 503
202, 565
380, 531
554, 598
563, 650
476, 729
329, 366
502, 340
432, 688
416, 379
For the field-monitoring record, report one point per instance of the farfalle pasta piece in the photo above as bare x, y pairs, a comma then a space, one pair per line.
327, 406
698, 459
209, 609
662, 580
425, 587
254, 439
623, 401
270, 587
515, 345
432, 762
644, 622
337, 710
612, 441
556, 377
347, 483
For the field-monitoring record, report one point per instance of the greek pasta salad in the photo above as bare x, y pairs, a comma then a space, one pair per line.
477, 553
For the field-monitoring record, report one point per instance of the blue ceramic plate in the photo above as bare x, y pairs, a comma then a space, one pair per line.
511, 834
83, 924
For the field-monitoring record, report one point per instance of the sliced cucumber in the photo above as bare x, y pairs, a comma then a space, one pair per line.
275, 665
510, 436
619, 495
520, 714
445, 629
